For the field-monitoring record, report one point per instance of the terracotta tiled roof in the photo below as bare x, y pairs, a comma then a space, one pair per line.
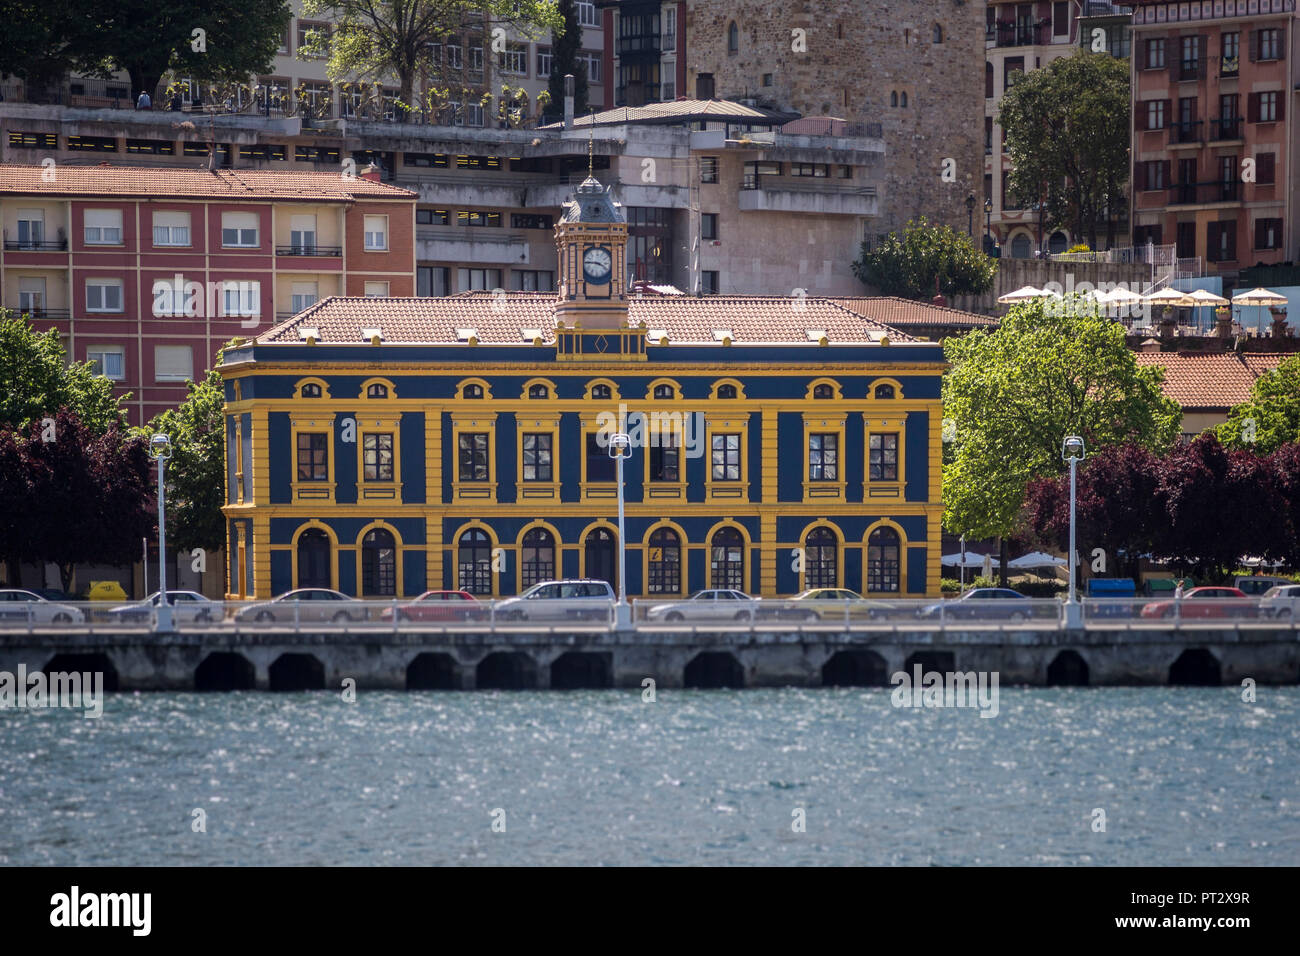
178, 183
901, 313
502, 320
1211, 380
678, 111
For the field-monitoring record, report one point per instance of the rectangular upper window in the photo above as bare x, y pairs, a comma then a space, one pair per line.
708, 169
823, 457
600, 467
376, 290
377, 457
726, 457
883, 463
376, 229
239, 230
103, 227
313, 460
537, 456
709, 225
473, 455
665, 458
108, 360
103, 295
171, 229
304, 295
173, 363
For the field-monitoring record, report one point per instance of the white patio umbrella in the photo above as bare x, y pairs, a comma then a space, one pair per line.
1171, 297
1037, 559
964, 559
1204, 299
1259, 298
1119, 296
1024, 294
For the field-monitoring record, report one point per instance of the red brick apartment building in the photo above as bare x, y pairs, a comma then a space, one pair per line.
1212, 90
147, 272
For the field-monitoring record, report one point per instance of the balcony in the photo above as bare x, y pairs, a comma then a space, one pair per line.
468, 245
27, 245
40, 312
1022, 34
1225, 129
1189, 70
312, 250
763, 194
1191, 194
1185, 132
641, 43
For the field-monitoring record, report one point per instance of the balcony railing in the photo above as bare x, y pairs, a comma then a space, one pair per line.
1187, 194
27, 245
42, 313
311, 250
1023, 34
639, 43
1190, 69
1221, 129
1185, 132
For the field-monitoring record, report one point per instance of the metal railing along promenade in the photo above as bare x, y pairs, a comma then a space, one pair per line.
647, 616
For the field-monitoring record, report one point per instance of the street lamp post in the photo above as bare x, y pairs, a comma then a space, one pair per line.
988, 225
160, 449
1072, 451
961, 566
620, 447
970, 215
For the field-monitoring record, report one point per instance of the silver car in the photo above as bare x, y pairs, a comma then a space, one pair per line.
585, 599
1281, 602
712, 604
188, 607
305, 604
19, 605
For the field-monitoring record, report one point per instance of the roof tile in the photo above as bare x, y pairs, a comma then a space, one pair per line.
1211, 380
179, 183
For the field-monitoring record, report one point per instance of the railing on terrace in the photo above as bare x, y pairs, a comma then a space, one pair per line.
649, 616
309, 250
26, 245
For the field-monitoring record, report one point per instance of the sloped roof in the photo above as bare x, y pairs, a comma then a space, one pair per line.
234, 185
681, 111
1211, 380
501, 319
901, 313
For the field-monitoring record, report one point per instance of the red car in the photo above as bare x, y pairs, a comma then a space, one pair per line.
1206, 602
439, 606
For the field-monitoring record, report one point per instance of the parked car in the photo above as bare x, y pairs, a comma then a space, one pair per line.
1281, 601
584, 599
313, 604
832, 603
1205, 602
1254, 585
187, 607
712, 604
983, 604
1112, 590
439, 606
19, 605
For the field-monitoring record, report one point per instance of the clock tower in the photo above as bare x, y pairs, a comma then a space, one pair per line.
591, 246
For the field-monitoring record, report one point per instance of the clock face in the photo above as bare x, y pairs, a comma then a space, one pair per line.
596, 265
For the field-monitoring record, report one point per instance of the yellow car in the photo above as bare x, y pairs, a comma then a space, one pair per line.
831, 604
105, 591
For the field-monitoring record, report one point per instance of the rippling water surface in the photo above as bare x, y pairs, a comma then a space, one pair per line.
1184, 775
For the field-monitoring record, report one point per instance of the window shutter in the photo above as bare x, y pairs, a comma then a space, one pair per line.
1252, 107
1231, 229
1140, 176
1168, 113
1202, 54
1164, 173
173, 363
1139, 53
1260, 233
1254, 45
1281, 105
1264, 171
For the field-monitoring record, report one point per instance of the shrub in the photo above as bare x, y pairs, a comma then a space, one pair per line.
1079, 247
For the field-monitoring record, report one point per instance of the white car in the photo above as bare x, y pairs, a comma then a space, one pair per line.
187, 607
713, 604
20, 605
584, 599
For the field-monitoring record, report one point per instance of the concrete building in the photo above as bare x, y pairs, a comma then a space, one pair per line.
911, 66
1213, 131
383, 447
148, 272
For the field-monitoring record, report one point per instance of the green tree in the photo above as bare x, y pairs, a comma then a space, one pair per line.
35, 382
907, 264
566, 42
101, 37
1067, 129
195, 479
1015, 393
1271, 418
382, 40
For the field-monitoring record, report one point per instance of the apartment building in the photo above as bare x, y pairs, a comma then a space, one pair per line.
1213, 134
645, 46
148, 272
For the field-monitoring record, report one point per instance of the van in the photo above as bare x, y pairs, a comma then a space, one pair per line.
1112, 588
1254, 585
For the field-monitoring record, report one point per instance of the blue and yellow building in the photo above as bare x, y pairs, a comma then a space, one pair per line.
385, 447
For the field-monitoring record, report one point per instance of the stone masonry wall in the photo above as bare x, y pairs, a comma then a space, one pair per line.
859, 52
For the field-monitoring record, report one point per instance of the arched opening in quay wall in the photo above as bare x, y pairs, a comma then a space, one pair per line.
1068, 669
582, 670
941, 661
1196, 667
855, 669
430, 671
506, 670
714, 670
297, 672
84, 664
225, 670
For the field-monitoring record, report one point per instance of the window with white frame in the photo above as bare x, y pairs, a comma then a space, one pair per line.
543, 62
668, 32
588, 15
304, 295
241, 299
476, 58
170, 298
668, 82
31, 294
171, 229
103, 227
103, 295
173, 363
31, 227
108, 361
376, 228
592, 59
239, 230
302, 234
455, 56
514, 59
376, 290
